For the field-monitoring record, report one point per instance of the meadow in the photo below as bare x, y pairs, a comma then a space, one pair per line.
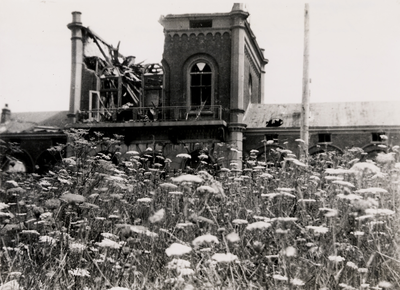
330, 221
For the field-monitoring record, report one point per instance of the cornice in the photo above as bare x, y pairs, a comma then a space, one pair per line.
188, 32
249, 56
237, 127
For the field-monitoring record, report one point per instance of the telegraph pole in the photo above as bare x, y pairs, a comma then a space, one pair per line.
305, 104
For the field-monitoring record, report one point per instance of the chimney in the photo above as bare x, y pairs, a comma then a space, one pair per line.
76, 65
5, 114
239, 7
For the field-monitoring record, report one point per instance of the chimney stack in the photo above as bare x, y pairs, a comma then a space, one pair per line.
76, 65
5, 114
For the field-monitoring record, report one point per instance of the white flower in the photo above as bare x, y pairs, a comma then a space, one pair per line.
337, 171
351, 265
350, 196
279, 277
47, 239
239, 222
77, 247
184, 156
358, 233
187, 178
269, 195
205, 239
203, 156
178, 263
107, 243
285, 219
282, 231
286, 189
3, 205
290, 251
306, 200
206, 188
177, 250
144, 199
157, 216
79, 272
344, 183
28, 232
299, 163
168, 185
379, 211
224, 258
11, 285
233, 237
385, 284
363, 270
336, 258
372, 190
184, 225
385, 158
319, 230
258, 225
109, 236
185, 271
329, 212
297, 282
365, 166
175, 192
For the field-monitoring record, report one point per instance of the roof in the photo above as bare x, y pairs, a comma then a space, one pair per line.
326, 114
35, 121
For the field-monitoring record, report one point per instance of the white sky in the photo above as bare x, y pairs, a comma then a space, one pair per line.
354, 45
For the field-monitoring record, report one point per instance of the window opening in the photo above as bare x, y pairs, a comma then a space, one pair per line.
200, 23
250, 87
324, 138
376, 137
271, 137
200, 84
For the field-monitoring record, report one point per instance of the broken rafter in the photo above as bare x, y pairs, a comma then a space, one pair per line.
95, 36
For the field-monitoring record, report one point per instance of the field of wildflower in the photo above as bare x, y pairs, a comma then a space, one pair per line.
330, 221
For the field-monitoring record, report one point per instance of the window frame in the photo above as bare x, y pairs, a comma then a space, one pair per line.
203, 85
378, 135
187, 73
273, 137
324, 142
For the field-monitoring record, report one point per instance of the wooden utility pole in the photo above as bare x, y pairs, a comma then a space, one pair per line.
305, 104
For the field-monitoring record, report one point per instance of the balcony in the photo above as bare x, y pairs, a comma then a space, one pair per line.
150, 116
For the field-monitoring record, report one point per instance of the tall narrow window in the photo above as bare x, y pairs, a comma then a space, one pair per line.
200, 84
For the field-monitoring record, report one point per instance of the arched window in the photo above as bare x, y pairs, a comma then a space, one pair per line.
201, 84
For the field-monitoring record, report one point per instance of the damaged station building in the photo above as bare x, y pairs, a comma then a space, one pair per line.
205, 97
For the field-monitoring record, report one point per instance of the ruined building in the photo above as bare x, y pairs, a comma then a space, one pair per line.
206, 96
212, 69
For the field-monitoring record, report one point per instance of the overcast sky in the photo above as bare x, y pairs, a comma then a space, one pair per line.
354, 45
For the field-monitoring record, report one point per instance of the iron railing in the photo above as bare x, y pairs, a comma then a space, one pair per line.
148, 114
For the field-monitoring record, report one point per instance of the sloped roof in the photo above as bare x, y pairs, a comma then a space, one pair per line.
326, 114
28, 121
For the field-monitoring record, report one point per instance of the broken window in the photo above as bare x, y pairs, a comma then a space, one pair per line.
271, 137
200, 23
324, 138
200, 84
376, 137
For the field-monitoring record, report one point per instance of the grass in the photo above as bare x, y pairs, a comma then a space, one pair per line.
328, 222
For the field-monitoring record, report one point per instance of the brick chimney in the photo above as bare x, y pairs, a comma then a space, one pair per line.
5, 114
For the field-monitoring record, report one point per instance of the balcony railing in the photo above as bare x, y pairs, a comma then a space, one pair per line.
150, 114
